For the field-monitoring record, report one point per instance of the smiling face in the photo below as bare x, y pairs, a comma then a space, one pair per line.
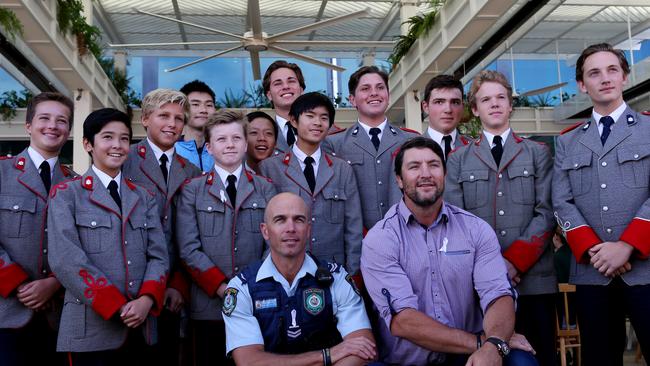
164, 125
603, 79
110, 147
445, 109
227, 145
201, 107
49, 129
284, 88
371, 98
261, 139
493, 107
312, 127
286, 226
422, 177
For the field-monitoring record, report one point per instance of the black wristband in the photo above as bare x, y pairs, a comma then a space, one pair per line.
479, 343
327, 358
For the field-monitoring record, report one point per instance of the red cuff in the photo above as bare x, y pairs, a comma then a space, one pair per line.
637, 235
209, 280
10, 277
156, 290
107, 301
179, 281
580, 240
524, 254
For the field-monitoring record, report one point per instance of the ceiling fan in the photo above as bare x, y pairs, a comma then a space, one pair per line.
255, 40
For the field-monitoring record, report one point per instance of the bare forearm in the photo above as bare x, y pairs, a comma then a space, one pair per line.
420, 329
257, 357
500, 318
350, 361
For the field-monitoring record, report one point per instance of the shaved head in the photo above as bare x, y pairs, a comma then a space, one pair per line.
286, 227
285, 200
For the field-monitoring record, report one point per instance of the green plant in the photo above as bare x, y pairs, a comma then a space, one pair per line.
232, 100
70, 19
470, 125
120, 82
10, 22
256, 96
11, 100
542, 100
418, 25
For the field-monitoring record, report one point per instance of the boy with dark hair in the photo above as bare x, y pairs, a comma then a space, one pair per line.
368, 146
155, 164
326, 183
108, 250
218, 229
443, 104
30, 309
191, 145
283, 82
601, 201
262, 136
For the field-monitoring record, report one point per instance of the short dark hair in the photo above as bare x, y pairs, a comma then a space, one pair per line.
443, 82
100, 118
199, 87
224, 117
282, 64
356, 76
418, 142
259, 114
49, 97
308, 102
601, 47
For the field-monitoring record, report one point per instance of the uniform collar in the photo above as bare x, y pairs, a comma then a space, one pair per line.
301, 155
223, 173
38, 159
106, 179
437, 136
268, 269
504, 136
616, 114
367, 128
158, 151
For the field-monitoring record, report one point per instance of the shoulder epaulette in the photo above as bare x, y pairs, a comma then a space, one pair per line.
571, 128
7, 157
646, 113
409, 130
464, 140
181, 160
263, 177
333, 267
62, 186
339, 130
66, 171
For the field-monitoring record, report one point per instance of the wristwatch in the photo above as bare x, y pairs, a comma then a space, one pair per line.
500, 344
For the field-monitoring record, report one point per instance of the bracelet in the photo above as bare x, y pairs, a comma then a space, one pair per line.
479, 344
327, 358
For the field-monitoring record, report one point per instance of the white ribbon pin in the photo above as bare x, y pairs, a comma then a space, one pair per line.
444, 245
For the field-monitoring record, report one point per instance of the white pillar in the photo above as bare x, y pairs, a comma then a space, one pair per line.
83, 105
88, 11
408, 9
119, 60
412, 112
368, 58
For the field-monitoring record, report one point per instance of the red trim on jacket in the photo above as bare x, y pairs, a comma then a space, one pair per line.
637, 234
179, 281
580, 240
524, 254
11, 276
208, 280
571, 128
106, 300
155, 289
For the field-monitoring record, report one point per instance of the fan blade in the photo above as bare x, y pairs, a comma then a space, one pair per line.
543, 90
255, 64
202, 59
321, 24
306, 58
361, 44
172, 44
190, 24
254, 18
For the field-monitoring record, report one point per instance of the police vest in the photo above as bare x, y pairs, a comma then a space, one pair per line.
291, 325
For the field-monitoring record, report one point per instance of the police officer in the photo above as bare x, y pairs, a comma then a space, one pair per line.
369, 145
30, 307
506, 181
443, 104
291, 303
601, 200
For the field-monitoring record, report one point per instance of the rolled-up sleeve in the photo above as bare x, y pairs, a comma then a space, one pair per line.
386, 281
490, 273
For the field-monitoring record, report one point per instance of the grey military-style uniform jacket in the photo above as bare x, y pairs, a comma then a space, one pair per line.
373, 169
336, 230
461, 140
104, 258
23, 234
514, 198
143, 168
217, 240
601, 194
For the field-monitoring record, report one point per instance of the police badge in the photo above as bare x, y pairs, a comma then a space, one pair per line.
229, 301
314, 300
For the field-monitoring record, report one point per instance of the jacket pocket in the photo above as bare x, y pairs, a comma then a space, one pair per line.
210, 217
17, 215
475, 187
522, 183
577, 168
252, 214
94, 231
334, 205
635, 165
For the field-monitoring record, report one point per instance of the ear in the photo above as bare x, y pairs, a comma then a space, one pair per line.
425, 107
399, 182
581, 86
293, 121
28, 128
87, 145
265, 231
475, 111
352, 100
268, 95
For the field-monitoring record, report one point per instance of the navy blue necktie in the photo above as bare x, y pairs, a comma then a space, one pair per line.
309, 173
112, 189
374, 132
607, 123
497, 150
